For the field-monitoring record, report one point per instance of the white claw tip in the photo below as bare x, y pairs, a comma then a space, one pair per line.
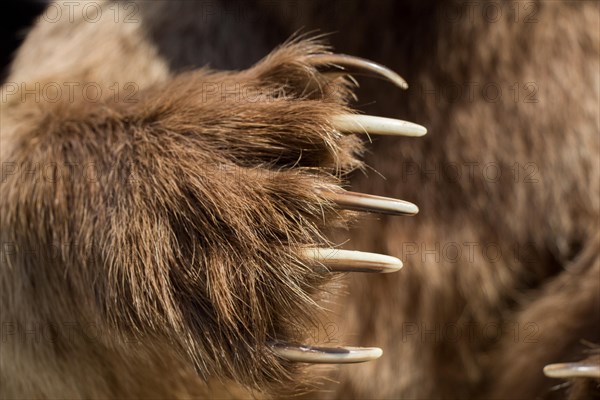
371, 203
353, 261
351, 123
572, 370
327, 355
345, 61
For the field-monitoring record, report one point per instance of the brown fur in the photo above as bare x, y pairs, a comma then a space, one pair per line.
182, 255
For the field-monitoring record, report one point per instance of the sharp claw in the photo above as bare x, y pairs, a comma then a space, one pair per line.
337, 260
572, 370
371, 203
352, 123
343, 61
326, 355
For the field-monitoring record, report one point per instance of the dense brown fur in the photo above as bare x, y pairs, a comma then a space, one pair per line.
181, 253
189, 232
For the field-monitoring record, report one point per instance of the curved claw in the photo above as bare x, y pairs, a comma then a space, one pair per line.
370, 203
344, 61
572, 370
326, 355
352, 123
337, 260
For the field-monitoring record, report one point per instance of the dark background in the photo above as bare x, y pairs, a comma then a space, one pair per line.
16, 16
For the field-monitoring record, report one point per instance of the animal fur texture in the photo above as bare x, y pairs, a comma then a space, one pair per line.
152, 230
